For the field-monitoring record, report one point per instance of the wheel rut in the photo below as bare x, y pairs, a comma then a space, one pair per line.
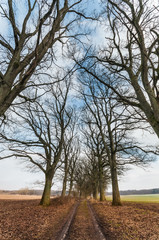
81, 224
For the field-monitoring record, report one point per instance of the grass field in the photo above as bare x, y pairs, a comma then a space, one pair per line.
149, 198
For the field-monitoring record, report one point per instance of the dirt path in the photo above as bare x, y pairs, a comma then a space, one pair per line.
83, 227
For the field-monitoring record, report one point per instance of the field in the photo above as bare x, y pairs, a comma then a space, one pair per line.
19, 197
150, 198
22, 218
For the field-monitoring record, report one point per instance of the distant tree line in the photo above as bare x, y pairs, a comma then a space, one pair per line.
140, 192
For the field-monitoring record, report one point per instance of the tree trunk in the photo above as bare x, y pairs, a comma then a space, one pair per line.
95, 191
65, 177
101, 186
114, 177
115, 188
71, 185
102, 194
64, 186
101, 180
45, 200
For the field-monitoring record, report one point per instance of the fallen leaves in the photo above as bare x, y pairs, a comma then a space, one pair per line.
130, 221
26, 220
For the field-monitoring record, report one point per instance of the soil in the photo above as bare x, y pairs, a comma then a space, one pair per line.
129, 221
26, 220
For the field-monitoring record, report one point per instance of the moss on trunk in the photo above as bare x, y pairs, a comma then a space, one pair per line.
45, 200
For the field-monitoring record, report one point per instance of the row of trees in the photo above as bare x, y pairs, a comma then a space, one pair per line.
118, 90
90, 150
43, 134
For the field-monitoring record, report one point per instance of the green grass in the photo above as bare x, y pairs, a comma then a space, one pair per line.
149, 198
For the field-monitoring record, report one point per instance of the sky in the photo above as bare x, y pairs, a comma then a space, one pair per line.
14, 175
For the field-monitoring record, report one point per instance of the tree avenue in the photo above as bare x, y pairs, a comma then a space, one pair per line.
38, 134
96, 163
108, 125
71, 150
79, 119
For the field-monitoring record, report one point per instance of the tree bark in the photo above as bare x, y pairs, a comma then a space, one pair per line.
71, 186
95, 191
64, 186
101, 180
115, 188
101, 189
65, 175
45, 200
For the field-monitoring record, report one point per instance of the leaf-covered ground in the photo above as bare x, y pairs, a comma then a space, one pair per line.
26, 220
131, 221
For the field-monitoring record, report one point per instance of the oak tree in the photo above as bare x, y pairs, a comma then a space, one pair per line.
37, 134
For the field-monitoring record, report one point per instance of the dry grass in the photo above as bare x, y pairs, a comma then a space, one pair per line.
18, 197
147, 198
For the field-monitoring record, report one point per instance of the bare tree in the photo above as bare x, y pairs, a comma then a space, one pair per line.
38, 133
65, 159
114, 122
70, 158
128, 63
97, 163
75, 153
31, 40
68, 153
83, 181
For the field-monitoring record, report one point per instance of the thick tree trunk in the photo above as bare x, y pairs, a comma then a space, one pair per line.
65, 177
64, 186
101, 180
45, 200
102, 191
101, 186
115, 188
102, 194
71, 186
95, 191
114, 176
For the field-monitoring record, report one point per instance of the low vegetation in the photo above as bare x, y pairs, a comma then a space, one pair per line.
149, 198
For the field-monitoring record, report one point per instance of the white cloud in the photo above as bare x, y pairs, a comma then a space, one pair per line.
14, 175
138, 178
